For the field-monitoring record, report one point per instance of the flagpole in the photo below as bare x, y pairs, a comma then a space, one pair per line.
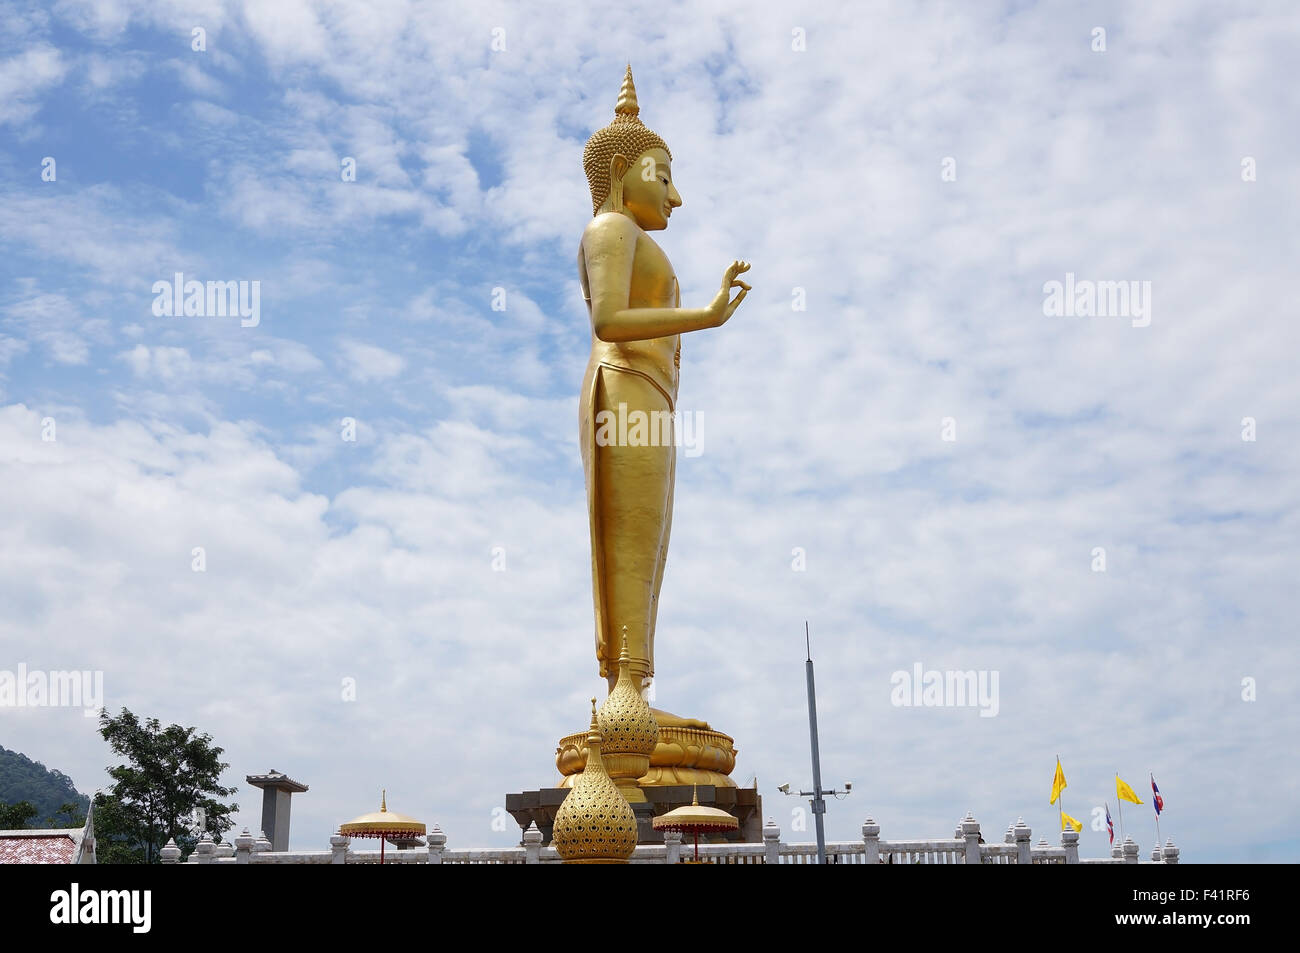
1153, 804
1060, 799
1119, 802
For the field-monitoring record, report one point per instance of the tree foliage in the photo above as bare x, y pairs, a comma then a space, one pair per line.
168, 776
14, 817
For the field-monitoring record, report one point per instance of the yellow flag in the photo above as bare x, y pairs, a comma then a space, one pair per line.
1124, 792
1067, 821
1058, 783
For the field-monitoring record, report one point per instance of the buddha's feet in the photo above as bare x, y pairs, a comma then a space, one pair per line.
666, 719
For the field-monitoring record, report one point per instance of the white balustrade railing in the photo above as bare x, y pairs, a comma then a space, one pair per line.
966, 847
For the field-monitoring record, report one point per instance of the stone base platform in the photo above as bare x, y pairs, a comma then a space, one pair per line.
745, 804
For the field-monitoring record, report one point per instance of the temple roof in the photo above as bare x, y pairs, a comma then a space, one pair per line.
41, 847
64, 845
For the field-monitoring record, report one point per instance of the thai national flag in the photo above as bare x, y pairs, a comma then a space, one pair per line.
1157, 799
1110, 825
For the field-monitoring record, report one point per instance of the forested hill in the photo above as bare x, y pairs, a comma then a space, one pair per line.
22, 779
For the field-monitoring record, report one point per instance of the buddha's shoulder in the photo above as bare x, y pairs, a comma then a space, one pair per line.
610, 227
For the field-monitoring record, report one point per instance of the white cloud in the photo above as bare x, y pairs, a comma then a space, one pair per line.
365, 362
24, 78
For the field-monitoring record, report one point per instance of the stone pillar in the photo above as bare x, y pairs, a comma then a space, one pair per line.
771, 842
1024, 842
437, 842
243, 847
225, 849
170, 854
1170, 852
277, 790
338, 848
1130, 850
672, 847
1155, 854
532, 844
1070, 841
1117, 851
871, 840
970, 829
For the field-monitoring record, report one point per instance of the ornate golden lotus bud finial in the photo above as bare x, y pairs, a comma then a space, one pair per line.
627, 104
383, 799
629, 730
595, 824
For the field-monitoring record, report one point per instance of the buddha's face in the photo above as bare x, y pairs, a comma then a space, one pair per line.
648, 190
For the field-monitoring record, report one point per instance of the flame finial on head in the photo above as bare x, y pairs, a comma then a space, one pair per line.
627, 104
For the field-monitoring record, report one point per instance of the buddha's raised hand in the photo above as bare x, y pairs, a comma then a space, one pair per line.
723, 305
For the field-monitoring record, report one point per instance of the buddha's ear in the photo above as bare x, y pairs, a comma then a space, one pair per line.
618, 166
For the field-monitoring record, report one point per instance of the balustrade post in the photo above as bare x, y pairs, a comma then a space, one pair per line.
437, 843
970, 829
672, 847
203, 850
338, 848
1070, 841
532, 844
243, 847
1130, 850
1024, 836
1170, 852
170, 854
771, 842
871, 840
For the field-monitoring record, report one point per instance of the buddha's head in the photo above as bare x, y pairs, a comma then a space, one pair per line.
629, 168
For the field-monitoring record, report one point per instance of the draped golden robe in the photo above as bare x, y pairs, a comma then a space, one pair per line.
629, 490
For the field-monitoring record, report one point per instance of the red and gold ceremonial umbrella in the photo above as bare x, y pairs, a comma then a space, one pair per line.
694, 819
384, 824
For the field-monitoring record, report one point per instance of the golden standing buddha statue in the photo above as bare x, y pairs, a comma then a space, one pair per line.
637, 321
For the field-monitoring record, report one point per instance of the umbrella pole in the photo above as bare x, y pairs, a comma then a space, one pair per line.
381, 850
697, 847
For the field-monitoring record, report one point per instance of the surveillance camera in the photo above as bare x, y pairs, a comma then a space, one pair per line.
784, 788
848, 785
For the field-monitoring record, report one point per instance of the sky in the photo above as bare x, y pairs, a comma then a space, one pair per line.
901, 440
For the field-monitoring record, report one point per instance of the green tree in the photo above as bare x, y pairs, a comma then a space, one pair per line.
116, 840
170, 775
67, 816
14, 817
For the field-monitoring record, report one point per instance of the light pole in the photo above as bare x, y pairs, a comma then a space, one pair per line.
818, 801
